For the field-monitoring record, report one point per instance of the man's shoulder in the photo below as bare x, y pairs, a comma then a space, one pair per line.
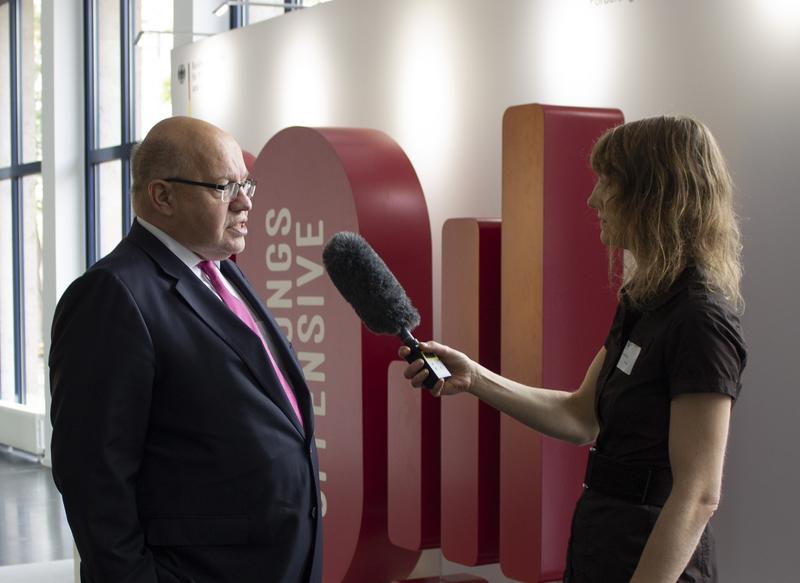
127, 266
126, 260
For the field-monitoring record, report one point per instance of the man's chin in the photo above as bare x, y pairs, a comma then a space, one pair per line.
220, 253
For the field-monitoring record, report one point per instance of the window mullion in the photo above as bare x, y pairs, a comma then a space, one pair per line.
90, 100
14, 21
126, 90
236, 16
17, 224
18, 283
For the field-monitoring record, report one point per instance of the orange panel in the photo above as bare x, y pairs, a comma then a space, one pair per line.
556, 308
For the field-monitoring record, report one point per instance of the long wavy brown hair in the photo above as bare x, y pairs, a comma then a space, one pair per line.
673, 205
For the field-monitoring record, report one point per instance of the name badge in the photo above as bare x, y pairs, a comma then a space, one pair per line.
628, 358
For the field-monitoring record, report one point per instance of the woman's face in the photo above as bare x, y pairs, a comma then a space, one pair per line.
601, 200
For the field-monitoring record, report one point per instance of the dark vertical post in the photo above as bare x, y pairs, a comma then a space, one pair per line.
18, 227
90, 99
126, 91
236, 14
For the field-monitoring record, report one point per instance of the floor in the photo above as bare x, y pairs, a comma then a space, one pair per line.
48, 572
35, 540
33, 527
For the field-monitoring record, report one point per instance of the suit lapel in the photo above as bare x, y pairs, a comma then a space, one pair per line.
222, 321
286, 354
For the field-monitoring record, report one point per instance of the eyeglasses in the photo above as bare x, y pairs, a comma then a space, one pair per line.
227, 192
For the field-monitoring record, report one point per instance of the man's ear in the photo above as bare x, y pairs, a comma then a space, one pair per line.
161, 197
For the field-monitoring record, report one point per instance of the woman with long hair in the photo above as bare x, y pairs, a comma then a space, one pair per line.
656, 400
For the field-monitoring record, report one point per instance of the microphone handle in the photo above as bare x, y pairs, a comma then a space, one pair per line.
435, 367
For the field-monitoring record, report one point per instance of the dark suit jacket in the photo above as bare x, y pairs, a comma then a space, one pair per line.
176, 451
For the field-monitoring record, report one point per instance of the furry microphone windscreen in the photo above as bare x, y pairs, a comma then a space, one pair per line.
368, 285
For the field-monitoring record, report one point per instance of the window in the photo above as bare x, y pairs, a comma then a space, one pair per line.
8, 387
108, 71
109, 205
109, 132
21, 235
5, 75
32, 248
128, 44
153, 65
253, 14
254, 11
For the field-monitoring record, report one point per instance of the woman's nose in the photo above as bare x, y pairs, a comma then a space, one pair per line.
591, 202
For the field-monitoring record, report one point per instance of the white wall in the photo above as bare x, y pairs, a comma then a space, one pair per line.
437, 76
62, 161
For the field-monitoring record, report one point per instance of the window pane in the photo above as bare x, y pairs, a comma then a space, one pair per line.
259, 13
6, 295
109, 194
308, 3
30, 77
5, 95
153, 65
108, 73
32, 252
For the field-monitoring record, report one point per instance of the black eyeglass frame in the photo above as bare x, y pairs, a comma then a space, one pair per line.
221, 188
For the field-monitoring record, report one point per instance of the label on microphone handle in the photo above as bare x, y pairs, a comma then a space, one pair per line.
435, 367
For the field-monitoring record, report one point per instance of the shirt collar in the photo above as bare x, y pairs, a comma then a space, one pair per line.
186, 255
689, 275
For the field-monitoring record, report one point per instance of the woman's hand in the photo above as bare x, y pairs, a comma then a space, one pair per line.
462, 369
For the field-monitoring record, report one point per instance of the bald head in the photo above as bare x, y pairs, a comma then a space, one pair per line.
177, 146
192, 210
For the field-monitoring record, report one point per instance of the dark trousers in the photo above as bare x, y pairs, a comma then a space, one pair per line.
609, 535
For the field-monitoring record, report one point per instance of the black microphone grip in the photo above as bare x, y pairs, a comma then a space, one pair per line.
435, 367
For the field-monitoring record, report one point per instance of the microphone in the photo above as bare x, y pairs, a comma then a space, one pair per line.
377, 297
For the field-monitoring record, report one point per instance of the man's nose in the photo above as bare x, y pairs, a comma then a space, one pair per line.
241, 201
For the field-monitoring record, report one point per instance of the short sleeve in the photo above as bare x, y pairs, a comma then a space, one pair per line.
707, 352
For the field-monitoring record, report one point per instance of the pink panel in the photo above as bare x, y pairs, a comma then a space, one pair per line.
249, 160
311, 184
540, 477
413, 454
470, 428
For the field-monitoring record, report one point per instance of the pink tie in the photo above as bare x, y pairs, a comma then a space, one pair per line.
238, 308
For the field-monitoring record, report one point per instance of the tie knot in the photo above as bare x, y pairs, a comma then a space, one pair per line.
209, 268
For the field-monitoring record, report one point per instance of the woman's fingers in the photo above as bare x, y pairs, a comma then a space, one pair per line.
416, 373
419, 378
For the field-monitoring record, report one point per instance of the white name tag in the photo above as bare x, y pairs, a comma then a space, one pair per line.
628, 358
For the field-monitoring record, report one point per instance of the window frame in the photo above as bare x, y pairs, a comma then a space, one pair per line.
16, 172
96, 155
239, 15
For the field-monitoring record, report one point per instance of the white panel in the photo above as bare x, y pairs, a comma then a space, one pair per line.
22, 428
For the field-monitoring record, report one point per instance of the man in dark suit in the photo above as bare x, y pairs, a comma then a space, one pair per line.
183, 432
